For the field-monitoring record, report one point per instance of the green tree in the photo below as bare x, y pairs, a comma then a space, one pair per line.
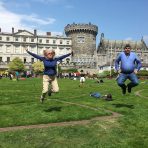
38, 67
16, 65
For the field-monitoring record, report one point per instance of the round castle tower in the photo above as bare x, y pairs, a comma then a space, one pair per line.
83, 38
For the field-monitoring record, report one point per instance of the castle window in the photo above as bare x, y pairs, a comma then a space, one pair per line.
0, 38
80, 39
47, 41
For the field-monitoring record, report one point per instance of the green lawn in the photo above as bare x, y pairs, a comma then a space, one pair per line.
19, 105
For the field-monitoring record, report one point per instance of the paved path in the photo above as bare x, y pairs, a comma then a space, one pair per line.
138, 93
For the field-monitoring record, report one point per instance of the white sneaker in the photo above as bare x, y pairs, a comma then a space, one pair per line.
41, 98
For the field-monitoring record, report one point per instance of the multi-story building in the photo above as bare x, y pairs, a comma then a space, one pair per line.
14, 44
81, 38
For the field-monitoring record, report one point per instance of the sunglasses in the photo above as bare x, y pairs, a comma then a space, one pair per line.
49, 53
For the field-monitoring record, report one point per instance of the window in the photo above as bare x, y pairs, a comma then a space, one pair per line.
47, 41
61, 42
80, 39
24, 60
68, 48
67, 42
1, 59
54, 41
7, 38
17, 49
0, 38
32, 40
8, 49
54, 47
0, 48
32, 60
16, 39
40, 40
24, 39
8, 59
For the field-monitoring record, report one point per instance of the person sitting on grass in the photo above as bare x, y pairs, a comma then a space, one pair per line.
130, 65
49, 74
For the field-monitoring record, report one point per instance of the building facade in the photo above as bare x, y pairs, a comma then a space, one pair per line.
108, 50
14, 44
81, 38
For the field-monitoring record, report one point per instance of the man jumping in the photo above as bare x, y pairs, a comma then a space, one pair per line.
130, 64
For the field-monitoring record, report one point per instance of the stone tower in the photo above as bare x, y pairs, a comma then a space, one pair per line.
83, 38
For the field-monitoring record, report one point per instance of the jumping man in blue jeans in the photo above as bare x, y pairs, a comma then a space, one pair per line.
129, 64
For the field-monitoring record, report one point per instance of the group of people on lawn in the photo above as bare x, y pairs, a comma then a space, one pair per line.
127, 64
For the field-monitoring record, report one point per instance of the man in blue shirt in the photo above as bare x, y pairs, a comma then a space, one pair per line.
127, 65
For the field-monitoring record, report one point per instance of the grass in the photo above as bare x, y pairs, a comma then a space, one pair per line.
19, 105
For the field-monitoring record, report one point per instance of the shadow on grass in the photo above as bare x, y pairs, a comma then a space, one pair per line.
51, 109
124, 105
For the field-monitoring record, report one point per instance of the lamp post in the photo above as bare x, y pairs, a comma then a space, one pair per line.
111, 61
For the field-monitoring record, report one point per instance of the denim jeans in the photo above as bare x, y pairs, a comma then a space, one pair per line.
123, 77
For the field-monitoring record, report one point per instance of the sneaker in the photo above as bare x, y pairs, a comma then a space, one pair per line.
124, 90
129, 89
41, 98
49, 93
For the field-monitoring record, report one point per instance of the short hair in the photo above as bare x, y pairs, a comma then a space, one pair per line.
127, 45
48, 50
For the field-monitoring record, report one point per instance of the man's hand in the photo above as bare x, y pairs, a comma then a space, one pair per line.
135, 71
118, 71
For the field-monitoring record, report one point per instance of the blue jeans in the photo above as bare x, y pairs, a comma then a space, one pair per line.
123, 77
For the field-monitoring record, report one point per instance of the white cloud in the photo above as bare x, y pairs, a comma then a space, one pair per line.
34, 18
69, 6
129, 39
46, 1
10, 19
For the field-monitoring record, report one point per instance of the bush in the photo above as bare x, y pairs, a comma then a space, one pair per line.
143, 73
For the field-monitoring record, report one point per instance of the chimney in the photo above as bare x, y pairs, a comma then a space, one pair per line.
48, 33
35, 32
12, 30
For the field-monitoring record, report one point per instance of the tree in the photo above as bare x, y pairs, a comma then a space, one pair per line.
38, 67
16, 65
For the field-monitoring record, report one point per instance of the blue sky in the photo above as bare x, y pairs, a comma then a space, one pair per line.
117, 19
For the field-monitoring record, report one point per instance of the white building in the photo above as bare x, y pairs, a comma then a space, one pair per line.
14, 44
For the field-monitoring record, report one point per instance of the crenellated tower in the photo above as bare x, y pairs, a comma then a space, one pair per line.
83, 38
